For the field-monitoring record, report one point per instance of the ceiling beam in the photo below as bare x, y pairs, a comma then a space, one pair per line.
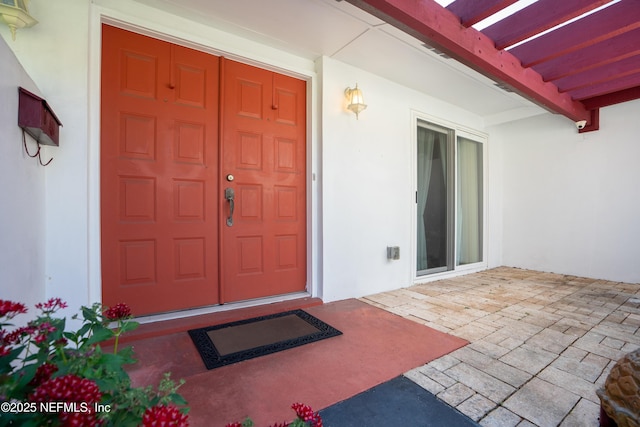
537, 17
605, 52
431, 23
595, 28
611, 86
600, 74
613, 98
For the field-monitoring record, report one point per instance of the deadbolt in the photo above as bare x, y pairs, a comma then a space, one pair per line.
230, 177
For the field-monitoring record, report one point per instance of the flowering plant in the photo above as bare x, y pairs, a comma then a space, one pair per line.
305, 417
53, 377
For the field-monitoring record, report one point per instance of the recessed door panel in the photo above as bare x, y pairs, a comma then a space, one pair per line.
139, 71
137, 199
137, 136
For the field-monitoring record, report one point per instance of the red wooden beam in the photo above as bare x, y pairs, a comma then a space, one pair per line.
431, 23
607, 23
606, 52
474, 11
538, 17
612, 98
603, 88
600, 74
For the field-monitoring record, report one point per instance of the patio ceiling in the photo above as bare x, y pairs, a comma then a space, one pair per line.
480, 56
571, 57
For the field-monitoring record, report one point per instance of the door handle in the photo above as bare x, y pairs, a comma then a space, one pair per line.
229, 194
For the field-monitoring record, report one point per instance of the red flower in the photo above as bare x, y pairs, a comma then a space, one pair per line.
10, 309
164, 416
40, 338
236, 424
306, 414
51, 305
15, 336
43, 373
119, 311
39, 333
70, 388
46, 327
62, 342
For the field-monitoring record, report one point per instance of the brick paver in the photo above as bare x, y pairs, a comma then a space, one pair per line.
541, 344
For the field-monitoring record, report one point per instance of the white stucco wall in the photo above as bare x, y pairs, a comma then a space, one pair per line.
54, 53
22, 191
571, 201
368, 180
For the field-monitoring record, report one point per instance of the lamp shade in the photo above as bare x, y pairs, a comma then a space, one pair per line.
355, 100
14, 13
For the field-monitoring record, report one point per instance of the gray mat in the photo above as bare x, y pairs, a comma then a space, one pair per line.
399, 402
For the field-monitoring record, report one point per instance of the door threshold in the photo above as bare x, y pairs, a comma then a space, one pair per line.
181, 321
152, 318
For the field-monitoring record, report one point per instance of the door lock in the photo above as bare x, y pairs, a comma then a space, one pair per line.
229, 195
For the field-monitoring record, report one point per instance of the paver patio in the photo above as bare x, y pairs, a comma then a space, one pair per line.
541, 344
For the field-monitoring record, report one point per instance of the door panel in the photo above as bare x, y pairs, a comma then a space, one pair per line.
263, 147
159, 172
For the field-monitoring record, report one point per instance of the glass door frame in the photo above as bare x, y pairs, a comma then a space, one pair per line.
449, 178
420, 119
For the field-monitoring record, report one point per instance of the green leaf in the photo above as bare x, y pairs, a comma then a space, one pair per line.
128, 326
83, 330
5, 361
89, 314
154, 401
100, 333
126, 353
177, 399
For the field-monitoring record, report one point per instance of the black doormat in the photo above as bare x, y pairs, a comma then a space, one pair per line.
233, 342
399, 402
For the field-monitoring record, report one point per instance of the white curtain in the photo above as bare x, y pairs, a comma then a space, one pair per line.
426, 138
469, 202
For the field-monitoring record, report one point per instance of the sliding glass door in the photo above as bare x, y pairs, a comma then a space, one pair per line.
449, 199
434, 199
469, 202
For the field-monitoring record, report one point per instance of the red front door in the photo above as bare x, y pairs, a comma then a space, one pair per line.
165, 242
263, 163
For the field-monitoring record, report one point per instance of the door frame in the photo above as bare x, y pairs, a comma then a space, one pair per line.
416, 117
169, 32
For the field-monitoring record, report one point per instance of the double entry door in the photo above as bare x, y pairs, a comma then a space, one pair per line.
203, 177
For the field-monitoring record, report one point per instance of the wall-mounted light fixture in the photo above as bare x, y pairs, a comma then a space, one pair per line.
14, 13
355, 99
